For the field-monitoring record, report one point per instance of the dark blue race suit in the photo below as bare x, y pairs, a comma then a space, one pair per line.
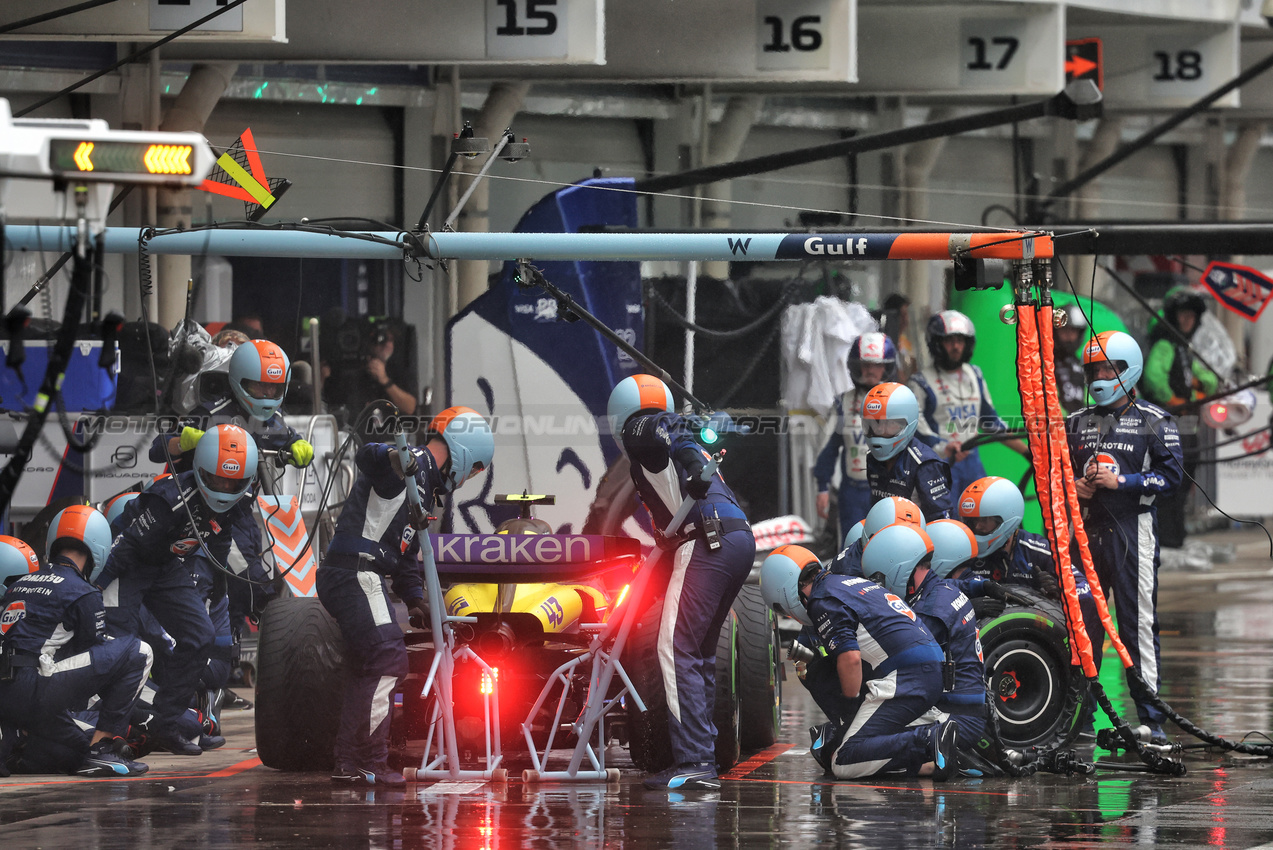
901, 674
150, 564
820, 678
916, 473
1026, 560
374, 541
54, 624
1139, 442
946, 611
704, 582
847, 445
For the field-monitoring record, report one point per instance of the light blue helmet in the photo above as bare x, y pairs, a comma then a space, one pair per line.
16, 560
780, 581
224, 465
115, 507
87, 527
893, 554
890, 417
1121, 351
994, 507
632, 395
259, 371
854, 535
953, 545
469, 442
889, 510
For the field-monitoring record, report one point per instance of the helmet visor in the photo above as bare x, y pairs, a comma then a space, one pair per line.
263, 390
883, 427
227, 486
1104, 370
983, 526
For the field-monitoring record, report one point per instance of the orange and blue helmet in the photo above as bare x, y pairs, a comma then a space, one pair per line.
993, 508
1121, 352
890, 417
259, 371
224, 466
115, 507
953, 545
469, 442
780, 577
894, 553
16, 559
890, 510
86, 527
632, 395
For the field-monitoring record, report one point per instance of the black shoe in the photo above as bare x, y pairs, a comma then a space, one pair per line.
823, 742
687, 777
233, 700
945, 745
8, 743
104, 761
385, 778
210, 742
173, 742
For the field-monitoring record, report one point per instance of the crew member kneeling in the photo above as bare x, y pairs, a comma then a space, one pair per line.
881, 651
54, 653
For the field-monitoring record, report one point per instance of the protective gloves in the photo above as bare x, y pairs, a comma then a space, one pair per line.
189, 439
302, 454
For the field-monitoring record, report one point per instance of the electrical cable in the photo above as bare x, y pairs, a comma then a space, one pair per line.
784, 297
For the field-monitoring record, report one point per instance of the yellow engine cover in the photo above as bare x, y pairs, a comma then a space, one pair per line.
558, 607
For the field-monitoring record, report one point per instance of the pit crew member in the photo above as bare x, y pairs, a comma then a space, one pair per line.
376, 540
714, 554
900, 464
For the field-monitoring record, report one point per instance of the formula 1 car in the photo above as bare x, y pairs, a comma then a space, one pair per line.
523, 632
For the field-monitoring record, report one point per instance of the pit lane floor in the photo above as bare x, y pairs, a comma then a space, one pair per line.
1218, 663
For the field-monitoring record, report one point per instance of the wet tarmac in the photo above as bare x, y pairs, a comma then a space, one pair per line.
1218, 670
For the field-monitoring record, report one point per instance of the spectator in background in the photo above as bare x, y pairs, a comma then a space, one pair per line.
895, 320
1174, 376
1069, 370
362, 364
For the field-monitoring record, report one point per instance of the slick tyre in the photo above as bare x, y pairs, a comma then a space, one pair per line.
301, 677
759, 662
1036, 692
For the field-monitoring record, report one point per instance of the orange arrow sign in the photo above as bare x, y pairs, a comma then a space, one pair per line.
1077, 66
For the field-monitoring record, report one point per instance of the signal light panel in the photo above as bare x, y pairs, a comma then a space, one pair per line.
177, 159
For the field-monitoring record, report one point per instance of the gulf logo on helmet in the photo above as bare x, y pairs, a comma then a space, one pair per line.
875, 405
272, 360
33, 560
1095, 351
967, 507
16, 611
232, 451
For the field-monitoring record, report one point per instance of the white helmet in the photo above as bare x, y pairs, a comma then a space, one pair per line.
632, 395
893, 554
780, 580
953, 545
890, 417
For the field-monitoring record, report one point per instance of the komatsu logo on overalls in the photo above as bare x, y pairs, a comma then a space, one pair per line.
818, 246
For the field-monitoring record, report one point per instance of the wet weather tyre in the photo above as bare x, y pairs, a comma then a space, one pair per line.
300, 679
1036, 691
759, 663
725, 707
649, 743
